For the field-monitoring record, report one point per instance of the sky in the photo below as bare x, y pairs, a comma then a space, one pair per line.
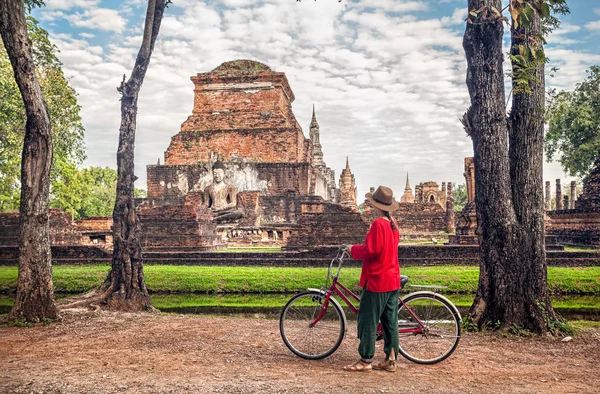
386, 77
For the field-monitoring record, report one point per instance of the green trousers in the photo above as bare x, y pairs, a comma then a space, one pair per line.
375, 307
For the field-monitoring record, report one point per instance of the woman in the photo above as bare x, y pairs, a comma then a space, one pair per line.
380, 280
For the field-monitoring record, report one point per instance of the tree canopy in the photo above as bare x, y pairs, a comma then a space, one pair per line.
459, 193
573, 134
87, 192
61, 99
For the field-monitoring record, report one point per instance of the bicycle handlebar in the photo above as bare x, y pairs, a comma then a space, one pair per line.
342, 254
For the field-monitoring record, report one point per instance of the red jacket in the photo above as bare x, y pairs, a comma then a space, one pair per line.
380, 267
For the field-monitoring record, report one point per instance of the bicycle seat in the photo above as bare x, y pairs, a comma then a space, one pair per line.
403, 280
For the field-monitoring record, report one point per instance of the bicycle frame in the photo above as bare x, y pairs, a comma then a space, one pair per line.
337, 288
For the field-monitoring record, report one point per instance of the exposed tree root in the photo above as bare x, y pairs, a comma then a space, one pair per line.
105, 298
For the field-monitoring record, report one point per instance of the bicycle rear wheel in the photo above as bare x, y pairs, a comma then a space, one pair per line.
318, 341
435, 337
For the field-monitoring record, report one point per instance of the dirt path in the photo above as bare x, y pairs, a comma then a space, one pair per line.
107, 353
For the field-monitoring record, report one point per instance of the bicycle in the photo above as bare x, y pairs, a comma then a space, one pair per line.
313, 323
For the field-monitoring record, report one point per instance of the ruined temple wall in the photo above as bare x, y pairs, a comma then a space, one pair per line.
574, 226
239, 104
96, 231
177, 226
63, 231
414, 218
267, 178
95, 224
324, 223
9, 228
264, 145
321, 184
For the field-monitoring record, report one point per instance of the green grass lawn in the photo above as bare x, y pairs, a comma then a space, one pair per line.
196, 279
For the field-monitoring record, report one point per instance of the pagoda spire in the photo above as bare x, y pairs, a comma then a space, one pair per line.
407, 196
313, 122
348, 188
407, 187
315, 138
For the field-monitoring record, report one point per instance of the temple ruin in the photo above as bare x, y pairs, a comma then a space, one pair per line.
240, 167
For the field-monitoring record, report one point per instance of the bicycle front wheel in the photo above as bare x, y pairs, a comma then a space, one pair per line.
302, 335
429, 328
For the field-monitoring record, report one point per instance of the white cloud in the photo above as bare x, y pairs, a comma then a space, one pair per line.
87, 35
68, 4
98, 18
572, 65
391, 5
597, 11
458, 17
593, 26
386, 80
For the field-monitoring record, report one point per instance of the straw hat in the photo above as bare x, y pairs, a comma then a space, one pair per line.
383, 198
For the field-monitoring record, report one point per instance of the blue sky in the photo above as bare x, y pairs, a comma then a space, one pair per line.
386, 76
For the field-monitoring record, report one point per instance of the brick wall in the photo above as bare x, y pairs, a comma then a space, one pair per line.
324, 223
257, 145
574, 226
177, 226
9, 229
414, 218
268, 178
241, 109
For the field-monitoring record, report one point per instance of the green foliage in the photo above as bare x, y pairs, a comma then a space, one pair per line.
574, 126
61, 99
20, 323
519, 330
31, 4
459, 193
527, 52
190, 279
555, 326
88, 192
468, 325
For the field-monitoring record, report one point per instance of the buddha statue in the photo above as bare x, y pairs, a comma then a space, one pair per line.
221, 198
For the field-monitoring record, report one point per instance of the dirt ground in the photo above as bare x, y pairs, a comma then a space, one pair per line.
105, 352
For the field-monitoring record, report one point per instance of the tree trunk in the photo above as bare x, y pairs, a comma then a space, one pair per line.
125, 288
508, 184
35, 295
526, 147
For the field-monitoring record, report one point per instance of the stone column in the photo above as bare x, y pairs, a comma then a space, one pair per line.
450, 210
548, 197
573, 196
559, 200
444, 196
566, 201
470, 178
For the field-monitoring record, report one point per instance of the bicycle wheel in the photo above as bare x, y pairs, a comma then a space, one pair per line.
318, 341
436, 338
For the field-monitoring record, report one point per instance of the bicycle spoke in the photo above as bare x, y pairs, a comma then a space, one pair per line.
318, 340
438, 336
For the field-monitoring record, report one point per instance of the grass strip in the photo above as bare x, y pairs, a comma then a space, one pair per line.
199, 279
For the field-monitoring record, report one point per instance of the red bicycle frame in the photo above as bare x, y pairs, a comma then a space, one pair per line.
340, 290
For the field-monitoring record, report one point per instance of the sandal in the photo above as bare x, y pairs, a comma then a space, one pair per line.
359, 366
386, 365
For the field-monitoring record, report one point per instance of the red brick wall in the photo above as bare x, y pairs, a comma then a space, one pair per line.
258, 145
415, 217
574, 226
96, 224
237, 113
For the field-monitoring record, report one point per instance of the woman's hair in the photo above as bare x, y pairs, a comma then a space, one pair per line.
393, 222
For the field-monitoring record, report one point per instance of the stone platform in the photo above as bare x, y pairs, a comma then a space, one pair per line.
410, 255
